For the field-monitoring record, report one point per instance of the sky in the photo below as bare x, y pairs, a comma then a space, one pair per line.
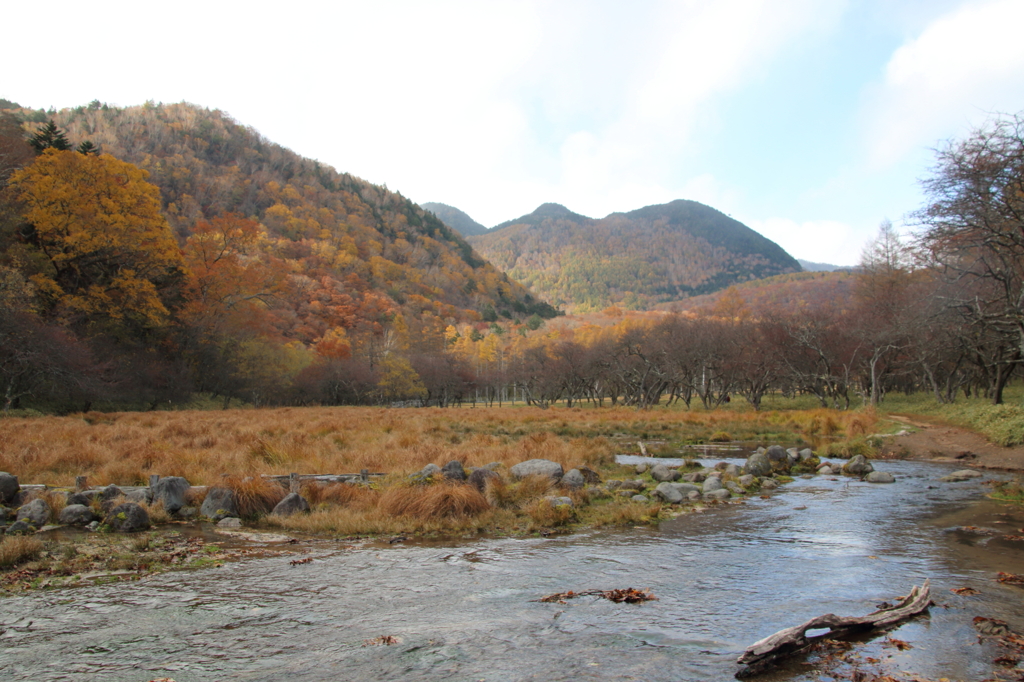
811, 121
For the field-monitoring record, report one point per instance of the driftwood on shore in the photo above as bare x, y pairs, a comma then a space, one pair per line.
793, 641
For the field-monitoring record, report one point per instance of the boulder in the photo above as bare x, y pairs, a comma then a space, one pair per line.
880, 477
559, 501
695, 477
108, 495
719, 494
613, 484
685, 488
4, 513
826, 470
84, 497
636, 484
478, 479
769, 484
758, 465
573, 479
36, 512
806, 453
128, 517
230, 522
642, 468
537, 467
711, 484
777, 457
693, 496
747, 480
733, 487
662, 473
171, 491
731, 470
430, 470
9, 488
77, 515
453, 471
590, 476
962, 475
292, 503
139, 495
219, 504
596, 492
20, 527
858, 466
639, 498
667, 493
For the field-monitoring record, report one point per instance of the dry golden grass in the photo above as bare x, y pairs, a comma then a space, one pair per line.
437, 501
16, 549
254, 495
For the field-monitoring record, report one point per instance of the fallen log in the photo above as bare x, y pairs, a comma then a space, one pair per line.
794, 641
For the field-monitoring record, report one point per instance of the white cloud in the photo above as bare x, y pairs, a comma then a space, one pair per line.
822, 241
963, 66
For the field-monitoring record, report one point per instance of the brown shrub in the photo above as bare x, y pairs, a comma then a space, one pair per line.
515, 495
341, 494
254, 495
15, 549
442, 500
546, 515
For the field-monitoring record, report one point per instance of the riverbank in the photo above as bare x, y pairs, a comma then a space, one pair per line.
936, 441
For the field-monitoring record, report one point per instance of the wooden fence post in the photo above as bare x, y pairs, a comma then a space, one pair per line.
80, 483
293, 483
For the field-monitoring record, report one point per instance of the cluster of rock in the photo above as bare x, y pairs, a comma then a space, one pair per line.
454, 471
122, 509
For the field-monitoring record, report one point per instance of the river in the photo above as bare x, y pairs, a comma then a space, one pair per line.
467, 611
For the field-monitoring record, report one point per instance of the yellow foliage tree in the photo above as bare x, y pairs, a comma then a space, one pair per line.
398, 380
107, 247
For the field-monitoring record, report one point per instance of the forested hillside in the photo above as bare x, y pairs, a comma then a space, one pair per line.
635, 260
455, 219
244, 261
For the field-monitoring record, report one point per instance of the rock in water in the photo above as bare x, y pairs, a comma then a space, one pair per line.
76, 515
711, 484
758, 465
36, 512
880, 477
453, 471
858, 466
293, 503
718, 494
769, 484
479, 478
962, 475
9, 487
171, 491
573, 479
778, 458
127, 518
537, 467
219, 504
230, 522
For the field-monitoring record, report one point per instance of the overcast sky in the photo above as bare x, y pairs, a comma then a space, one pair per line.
809, 120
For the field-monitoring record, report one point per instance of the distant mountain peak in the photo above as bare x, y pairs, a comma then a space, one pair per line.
455, 219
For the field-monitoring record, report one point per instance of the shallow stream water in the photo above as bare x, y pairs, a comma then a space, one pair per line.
723, 578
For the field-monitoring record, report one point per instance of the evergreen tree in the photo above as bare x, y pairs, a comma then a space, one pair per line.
49, 137
87, 148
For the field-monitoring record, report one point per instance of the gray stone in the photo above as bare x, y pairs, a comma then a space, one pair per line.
769, 484
453, 471
640, 498
4, 513
93, 526
293, 503
693, 496
139, 495
734, 488
9, 488
559, 501
128, 517
219, 504
731, 470
230, 522
613, 484
84, 497
662, 473
667, 493
430, 470
685, 488
747, 480
171, 491
778, 458
573, 479
826, 470
719, 494
642, 468
77, 515
478, 479
36, 512
636, 484
806, 453
711, 484
108, 497
858, 466
962, 475
880, 477
625, 492
591, 476
537, 467
596, 491
187, 513
493, 466
695, 477
758, 465
20, 527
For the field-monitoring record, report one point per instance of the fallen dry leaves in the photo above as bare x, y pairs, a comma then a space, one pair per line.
628, 595
964, 591
1010, 578
383, 640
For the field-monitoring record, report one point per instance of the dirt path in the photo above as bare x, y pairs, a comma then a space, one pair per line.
944, 443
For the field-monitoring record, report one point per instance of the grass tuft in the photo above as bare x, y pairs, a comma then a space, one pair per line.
437, 501
16, 549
